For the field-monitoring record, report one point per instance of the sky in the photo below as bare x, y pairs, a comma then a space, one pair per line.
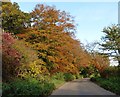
91, 17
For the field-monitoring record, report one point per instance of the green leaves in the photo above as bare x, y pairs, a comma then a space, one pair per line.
13, 19
27, 87
111, 41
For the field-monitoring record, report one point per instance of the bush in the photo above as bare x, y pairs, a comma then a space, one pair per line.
10, 57
110, 71
6, 89
47, 88
77, 76
105, 73
58, 76
15, 54
94, 79
57, 79
89, 71
28, 54
35, 70
68, 77
30, 87
111, 83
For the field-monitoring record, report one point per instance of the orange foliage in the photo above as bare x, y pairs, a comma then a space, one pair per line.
101, 62
50, 19
52, 36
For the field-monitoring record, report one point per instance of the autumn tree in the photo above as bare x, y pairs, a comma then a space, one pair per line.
95, 58
111, 41
51, 35
46, 17
100, 61
59, 51
13, 19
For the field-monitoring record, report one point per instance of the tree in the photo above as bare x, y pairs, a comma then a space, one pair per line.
111, 41
59, 51
48, 18
96, 59
13, 19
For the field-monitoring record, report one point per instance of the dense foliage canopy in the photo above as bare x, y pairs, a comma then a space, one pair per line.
13, 19
47, 36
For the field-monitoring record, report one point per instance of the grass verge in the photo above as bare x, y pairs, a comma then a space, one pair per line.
112, 84
57, 83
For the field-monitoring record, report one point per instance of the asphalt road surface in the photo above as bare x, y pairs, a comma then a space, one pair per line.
81, 87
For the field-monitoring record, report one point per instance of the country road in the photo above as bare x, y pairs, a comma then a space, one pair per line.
81, 87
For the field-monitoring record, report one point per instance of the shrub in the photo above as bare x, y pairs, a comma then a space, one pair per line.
94, 79
58, 76
47, 88
35, 70
6, 89
28, 54
89, 71
110, 71
77, 76
68, 77
15, 54
10, 57
28, 87
84, 71
105, 73
57, 79
111, 83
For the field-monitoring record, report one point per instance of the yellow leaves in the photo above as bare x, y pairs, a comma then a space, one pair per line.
34, 69
40, 62
51, 58
71, 68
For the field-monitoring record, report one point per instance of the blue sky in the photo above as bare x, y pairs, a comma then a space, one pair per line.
91, 17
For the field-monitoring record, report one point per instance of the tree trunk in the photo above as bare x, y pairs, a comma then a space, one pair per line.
119, 67
118, 58
119, 63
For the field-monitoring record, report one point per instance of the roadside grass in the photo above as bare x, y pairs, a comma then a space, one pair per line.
60, 78
57, 83
112, 83
27, 87
32, 86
